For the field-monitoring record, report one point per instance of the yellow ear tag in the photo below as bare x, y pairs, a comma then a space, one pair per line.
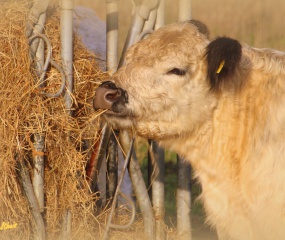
221, 66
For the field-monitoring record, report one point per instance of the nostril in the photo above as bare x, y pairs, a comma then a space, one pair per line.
108, 96
112, 96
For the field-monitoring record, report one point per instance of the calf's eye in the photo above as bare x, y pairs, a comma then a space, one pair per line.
177, 71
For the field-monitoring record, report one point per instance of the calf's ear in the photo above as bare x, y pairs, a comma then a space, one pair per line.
223, 56
202, 28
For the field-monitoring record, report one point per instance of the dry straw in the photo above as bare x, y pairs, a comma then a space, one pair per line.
69, 141
24, 112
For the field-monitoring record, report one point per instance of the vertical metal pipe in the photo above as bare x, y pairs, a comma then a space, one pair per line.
66, 225
150, 161
112, 65
149, 24
66, 37
183, 200
184, 10
112, 167
156, 164
158, 175
37, 46
37, 18
38, 177
39, 8
160, 18
112, 35
140, 15
39, 139
183, 197
135, 29
158, 187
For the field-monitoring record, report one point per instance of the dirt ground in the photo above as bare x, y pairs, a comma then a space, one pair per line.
201, 231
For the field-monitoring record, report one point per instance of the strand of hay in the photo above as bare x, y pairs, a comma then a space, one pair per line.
23, 113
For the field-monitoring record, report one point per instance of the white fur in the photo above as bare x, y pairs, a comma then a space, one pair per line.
234, 139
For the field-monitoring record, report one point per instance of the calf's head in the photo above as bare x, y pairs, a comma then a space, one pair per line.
170, 82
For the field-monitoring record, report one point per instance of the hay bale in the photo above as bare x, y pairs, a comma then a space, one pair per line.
24, 112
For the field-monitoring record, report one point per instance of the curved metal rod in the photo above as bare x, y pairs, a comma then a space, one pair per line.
143, 34
23, 175
133, 211
49, 50
38, 8
60, 90
48, 61
127, 160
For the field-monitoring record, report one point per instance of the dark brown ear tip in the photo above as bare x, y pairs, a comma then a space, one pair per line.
202, 28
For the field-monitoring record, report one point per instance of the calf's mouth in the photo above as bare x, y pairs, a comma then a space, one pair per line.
111, 98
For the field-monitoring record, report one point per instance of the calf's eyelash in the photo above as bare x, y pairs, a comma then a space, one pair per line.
177, 71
